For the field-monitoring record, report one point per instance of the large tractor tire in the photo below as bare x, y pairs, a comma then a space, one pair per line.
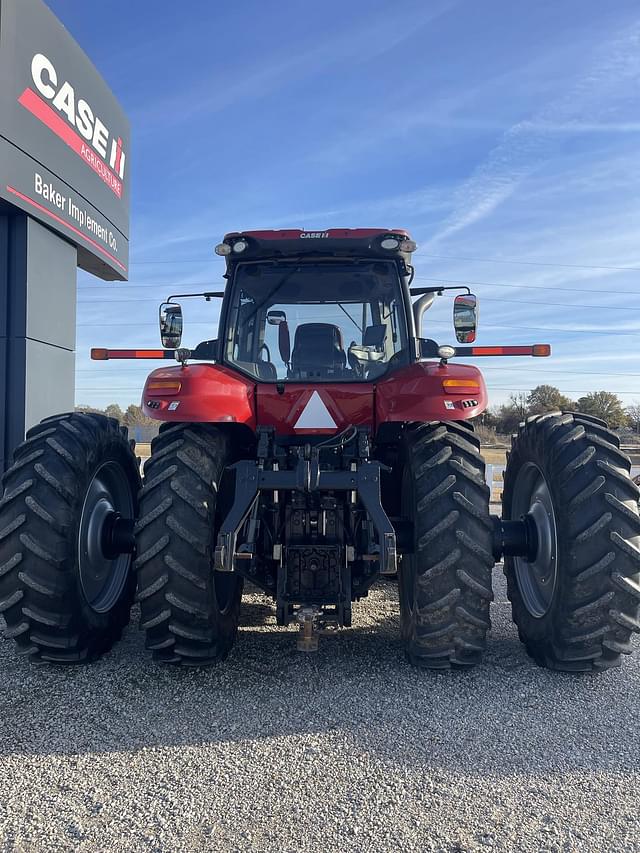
575, 599
189, 611
445, 582
66, 586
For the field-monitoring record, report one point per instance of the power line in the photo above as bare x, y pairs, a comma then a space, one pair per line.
165, 285
485, 298
552, 287
613, 332
146, 323
545, 329
158, 284
559, 304
429, 255
567, 372
177, 261
531, 263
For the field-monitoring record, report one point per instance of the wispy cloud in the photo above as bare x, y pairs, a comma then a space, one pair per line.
526, 145
355, 46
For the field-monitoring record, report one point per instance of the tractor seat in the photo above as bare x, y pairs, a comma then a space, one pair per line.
318, 351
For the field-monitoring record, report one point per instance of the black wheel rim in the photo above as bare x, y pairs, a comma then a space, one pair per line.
536, 577
407, 563
225, 585
103, 574
407, 591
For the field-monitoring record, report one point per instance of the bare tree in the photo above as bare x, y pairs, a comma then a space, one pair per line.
633, 413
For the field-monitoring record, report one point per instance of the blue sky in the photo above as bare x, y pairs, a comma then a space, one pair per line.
504, 136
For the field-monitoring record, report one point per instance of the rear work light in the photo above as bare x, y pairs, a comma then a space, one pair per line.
446, 351
240, 246
391, 242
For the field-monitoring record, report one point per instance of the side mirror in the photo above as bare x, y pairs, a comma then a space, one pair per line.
170, 325
465, 317
276, 318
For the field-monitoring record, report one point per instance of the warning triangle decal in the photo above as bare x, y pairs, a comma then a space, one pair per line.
315, 415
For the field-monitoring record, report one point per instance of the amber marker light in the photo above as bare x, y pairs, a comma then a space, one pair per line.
163, 388
460, 386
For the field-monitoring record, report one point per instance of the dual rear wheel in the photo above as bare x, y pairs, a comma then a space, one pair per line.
576, 601
69, 504
575, 596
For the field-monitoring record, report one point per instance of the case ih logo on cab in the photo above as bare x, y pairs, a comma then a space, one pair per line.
103, 153
313, 234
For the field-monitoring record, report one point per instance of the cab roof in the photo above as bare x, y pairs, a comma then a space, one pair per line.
332, 242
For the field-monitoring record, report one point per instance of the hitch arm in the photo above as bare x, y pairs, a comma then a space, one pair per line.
305, 477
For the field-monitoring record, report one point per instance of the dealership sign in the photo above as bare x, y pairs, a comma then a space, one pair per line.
64, 140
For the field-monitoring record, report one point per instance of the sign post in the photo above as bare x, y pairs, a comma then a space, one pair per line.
64, 203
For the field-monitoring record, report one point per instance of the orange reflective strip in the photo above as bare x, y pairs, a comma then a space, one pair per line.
501, 350
535, 350
106, 354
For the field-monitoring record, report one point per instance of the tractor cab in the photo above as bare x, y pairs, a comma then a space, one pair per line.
321, 306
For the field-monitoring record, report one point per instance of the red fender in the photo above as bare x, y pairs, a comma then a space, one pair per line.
429, 391
206, 393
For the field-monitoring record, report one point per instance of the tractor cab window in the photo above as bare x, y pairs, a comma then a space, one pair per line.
327, 321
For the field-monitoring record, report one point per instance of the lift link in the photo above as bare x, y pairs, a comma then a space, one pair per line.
514, 538
306, 477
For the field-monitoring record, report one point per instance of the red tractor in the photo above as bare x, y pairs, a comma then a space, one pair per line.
319, 443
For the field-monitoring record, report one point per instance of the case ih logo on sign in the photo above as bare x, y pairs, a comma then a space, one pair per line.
64, 138
93, 140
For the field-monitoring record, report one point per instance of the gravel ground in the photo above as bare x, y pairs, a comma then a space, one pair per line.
347, 749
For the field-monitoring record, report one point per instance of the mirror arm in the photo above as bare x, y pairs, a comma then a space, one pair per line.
207, 295
417, 291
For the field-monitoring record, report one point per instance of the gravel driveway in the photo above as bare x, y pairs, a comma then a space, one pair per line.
348, 749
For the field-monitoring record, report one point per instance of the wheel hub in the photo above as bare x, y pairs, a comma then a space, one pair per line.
537, 572
104, 550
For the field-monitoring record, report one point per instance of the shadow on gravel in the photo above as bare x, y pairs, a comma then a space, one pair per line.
505, 717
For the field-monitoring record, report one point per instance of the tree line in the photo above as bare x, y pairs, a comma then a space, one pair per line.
547, 398
133, 416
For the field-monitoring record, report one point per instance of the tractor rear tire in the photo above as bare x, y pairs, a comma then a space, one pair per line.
445, 582
189, 611
576, 600
64, 595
